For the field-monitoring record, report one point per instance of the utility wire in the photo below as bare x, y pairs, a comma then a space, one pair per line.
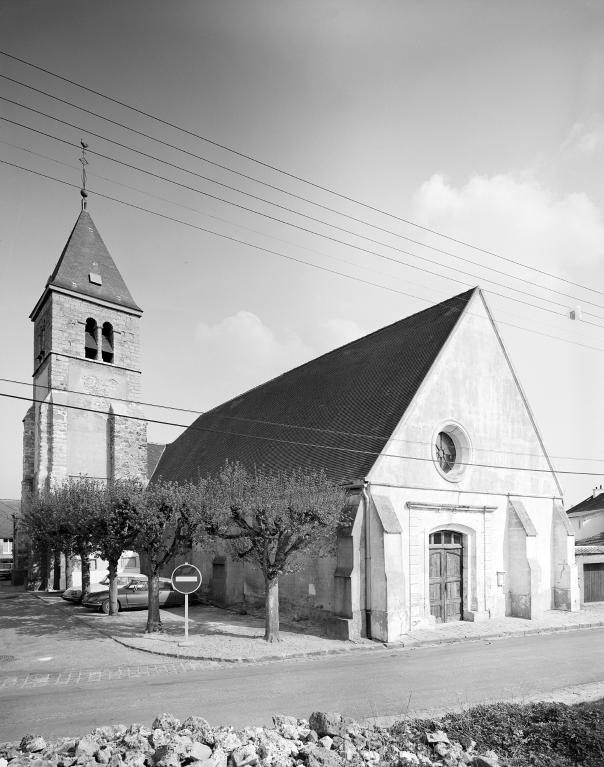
306, 229
275, 440
283, 255
230, 222
299, 197
294, 176
320, 430
213, 216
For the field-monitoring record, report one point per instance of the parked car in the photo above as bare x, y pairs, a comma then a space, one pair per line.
73, 594
135, 594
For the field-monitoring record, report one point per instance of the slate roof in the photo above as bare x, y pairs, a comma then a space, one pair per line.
589, 504
86, 253
8, 507
154, 453
357, 393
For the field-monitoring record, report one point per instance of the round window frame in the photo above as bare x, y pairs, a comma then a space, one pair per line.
463, 450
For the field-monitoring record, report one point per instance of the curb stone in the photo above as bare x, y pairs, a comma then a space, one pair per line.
378, 646
407, 644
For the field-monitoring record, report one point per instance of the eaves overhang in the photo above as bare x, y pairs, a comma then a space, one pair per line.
135, 311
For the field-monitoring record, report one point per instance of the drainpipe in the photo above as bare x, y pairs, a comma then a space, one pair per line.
367, 560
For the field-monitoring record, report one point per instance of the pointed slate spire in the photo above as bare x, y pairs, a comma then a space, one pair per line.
86, 267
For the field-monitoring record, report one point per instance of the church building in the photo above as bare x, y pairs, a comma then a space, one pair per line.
86, 371
454, 510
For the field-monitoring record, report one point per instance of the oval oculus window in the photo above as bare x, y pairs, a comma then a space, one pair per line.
446, 453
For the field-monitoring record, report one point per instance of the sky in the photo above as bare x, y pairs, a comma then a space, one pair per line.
480, 121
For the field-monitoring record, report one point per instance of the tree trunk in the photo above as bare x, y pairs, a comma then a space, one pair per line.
68, 571
271, 609
85, 572
113, 563
153, 619
56, 571
44, 569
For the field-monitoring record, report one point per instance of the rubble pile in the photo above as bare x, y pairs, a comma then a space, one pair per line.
324, 740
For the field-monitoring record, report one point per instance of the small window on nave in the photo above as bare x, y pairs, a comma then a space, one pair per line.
91, 344
107, 351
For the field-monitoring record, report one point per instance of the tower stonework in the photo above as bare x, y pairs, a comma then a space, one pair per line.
86, 372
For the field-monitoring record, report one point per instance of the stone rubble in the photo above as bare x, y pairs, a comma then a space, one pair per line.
326, 739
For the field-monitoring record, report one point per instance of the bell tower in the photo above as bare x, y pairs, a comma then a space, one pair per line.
86, 370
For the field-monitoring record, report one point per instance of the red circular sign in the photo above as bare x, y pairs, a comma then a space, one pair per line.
186, 579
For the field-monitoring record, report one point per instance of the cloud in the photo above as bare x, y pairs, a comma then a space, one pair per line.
585, 139
244, 352
515, 217
240, 351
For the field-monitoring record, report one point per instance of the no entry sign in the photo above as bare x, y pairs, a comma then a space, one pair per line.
186, 579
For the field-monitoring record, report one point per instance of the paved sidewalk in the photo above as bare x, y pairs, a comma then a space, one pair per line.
226, 636
591, 616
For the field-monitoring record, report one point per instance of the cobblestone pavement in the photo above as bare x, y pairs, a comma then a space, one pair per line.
83, 676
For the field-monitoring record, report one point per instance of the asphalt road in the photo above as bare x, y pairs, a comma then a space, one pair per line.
382, 683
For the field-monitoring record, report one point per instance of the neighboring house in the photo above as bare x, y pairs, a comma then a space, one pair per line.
587, 517
9, 512
590, 564
454, 510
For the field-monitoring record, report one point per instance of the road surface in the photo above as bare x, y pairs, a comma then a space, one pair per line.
382, 683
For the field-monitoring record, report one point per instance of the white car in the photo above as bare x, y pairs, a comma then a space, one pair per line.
123, 579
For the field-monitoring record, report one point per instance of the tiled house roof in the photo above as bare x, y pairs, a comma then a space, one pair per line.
589, 504
84, 260
592, 545
356, 394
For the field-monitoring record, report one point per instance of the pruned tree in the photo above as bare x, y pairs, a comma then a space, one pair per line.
168, 516
273, 518
115, 529
79, 502
40, 523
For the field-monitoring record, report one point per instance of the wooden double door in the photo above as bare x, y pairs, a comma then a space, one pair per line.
593, 581
446, 576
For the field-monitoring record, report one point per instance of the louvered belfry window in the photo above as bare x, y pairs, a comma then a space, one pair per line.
107, 350
91, 345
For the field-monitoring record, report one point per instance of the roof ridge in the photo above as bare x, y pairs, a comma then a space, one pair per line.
345, 387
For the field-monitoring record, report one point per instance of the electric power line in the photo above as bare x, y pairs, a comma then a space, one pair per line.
356, 451
299, 197
283, 255
294, 176
301, 427
302, 228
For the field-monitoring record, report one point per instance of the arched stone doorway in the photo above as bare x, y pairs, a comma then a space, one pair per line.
446, 576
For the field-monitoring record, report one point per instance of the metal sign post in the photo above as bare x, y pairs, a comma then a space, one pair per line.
186, 579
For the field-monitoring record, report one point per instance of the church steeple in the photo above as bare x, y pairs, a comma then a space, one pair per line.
86, 418
86, 268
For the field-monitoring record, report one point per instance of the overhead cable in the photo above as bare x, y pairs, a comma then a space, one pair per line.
276, 440
301, 427
284, 191
320, 234
288, 257
294, 176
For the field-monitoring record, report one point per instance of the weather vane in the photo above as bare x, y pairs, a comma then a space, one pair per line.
84, 162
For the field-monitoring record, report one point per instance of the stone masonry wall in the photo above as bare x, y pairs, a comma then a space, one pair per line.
70, 440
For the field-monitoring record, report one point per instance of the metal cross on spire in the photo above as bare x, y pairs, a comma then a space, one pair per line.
84, 162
